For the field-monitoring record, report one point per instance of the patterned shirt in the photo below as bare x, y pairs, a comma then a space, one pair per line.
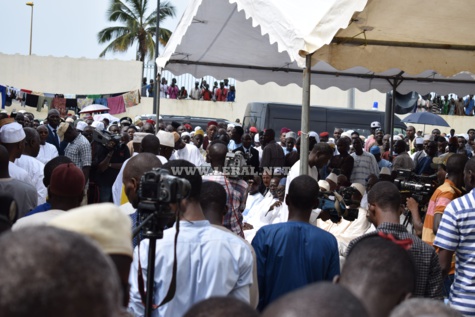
79, 151
457, 233
426, 261
364, 165
235, 200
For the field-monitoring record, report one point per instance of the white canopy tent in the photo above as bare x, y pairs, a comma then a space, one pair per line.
370, 44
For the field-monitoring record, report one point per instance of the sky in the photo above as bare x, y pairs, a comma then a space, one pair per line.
64, 28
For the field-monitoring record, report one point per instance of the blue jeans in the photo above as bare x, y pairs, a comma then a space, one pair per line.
105, 194
447, 284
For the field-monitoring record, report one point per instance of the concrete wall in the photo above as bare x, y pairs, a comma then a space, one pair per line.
65, 75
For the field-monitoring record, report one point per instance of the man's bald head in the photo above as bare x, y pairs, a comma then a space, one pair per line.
133, 171
150, 144
217, 153
319, 299
221, 306
32, 142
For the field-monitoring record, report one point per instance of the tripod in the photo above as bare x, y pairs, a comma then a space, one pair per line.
155, 220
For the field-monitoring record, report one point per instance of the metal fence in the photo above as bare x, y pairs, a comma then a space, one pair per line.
186, 80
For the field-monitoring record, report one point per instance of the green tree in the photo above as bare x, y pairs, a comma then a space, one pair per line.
136, 28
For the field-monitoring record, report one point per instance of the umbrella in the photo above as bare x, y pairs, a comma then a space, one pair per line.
425, 118
94, 108
102, 116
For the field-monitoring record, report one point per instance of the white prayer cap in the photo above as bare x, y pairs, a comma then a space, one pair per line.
359, 188
81, 125
12, 133
419, 141
166, 138
185, 134
333, 178
198, 128
230, 125
138, 136
313, 134
426, 137
396, 138
98, 125
324, 184
104, 223
346, 134
385, 171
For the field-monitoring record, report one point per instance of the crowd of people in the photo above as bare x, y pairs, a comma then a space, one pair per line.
201, 90
245, 232
448, 105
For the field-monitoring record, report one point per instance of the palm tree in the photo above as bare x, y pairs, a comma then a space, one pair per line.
136, 28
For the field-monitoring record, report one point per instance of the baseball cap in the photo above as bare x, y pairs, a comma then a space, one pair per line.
375, 124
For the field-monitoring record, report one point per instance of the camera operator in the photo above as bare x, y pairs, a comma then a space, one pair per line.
443, 195
109, 160
210, 262
345, 231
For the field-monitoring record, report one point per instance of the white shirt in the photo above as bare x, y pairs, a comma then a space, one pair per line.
295, 171
38, 219
35, 170
47, 153
19, 173
117, 186
251, 201
211, 262
189, 153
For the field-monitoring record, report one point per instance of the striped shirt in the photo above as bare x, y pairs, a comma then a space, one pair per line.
364, 165
457, 233
442, 196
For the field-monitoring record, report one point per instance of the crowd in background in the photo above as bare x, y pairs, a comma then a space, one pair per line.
201, 90
263, 240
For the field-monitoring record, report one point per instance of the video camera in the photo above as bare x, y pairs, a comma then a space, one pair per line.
339, 204
234, 164
105, 137
157, 190
418, 187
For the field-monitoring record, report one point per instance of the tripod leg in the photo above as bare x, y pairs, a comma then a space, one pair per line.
150, 277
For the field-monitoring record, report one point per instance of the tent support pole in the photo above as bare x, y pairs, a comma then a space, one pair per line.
156, 85
394, 83
305, 112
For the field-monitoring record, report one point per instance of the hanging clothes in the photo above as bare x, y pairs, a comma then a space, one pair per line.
131, 98
84, 102
101, 101
116, 105
60, 105
31, 100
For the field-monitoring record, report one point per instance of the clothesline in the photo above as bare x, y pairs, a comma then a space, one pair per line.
116, 102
